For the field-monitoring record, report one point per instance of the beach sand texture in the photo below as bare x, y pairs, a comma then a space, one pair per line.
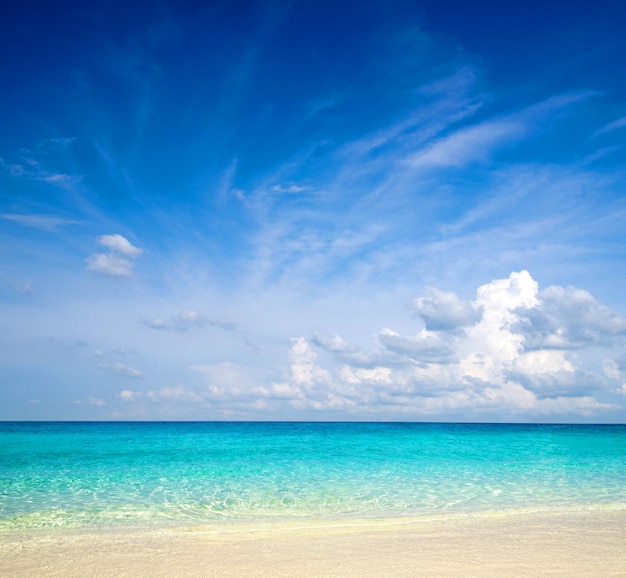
584, 544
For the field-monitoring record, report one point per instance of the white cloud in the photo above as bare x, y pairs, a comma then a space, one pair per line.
485, 369
373, 375
442, 310
611, 369
303, 367
123, 370
108, 264
127, 371
121, 245
167, 395
615, 370
61, 180
493, 338
425, 346
290, 189
117, 263
568, 318
334, 343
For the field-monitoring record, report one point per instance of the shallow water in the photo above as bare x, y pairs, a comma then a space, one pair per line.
159, 474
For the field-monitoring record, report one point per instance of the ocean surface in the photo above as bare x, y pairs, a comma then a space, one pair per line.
213, 475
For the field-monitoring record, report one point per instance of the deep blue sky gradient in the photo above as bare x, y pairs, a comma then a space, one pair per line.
308, 170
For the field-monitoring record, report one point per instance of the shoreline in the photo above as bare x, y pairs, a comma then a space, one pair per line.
565, 543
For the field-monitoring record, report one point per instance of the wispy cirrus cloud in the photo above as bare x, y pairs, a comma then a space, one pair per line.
612, 126
472, 144
476, 143
43, 222
379, 191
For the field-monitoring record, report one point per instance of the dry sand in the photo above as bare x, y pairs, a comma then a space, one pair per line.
583, 544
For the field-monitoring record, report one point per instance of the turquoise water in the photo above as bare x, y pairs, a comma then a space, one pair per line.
190, 474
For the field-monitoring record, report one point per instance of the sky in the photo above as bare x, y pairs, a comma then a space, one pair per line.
313, 210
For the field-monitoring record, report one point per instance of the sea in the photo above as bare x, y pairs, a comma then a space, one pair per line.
220, 475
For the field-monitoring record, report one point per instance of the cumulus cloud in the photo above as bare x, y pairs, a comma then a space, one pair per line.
120, 245
615, 369
391, 349
335, 343
231, 386
116, 263
568, 318
444, 310
425, 346
485, 358
111, 265
304, 370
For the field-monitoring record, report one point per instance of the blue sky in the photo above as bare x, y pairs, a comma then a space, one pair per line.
313, 210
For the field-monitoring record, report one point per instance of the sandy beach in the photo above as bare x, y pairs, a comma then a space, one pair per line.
580, 544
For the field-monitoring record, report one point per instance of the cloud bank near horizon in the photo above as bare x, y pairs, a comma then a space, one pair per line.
515, 352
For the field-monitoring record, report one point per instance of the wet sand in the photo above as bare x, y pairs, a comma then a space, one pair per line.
581, 544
